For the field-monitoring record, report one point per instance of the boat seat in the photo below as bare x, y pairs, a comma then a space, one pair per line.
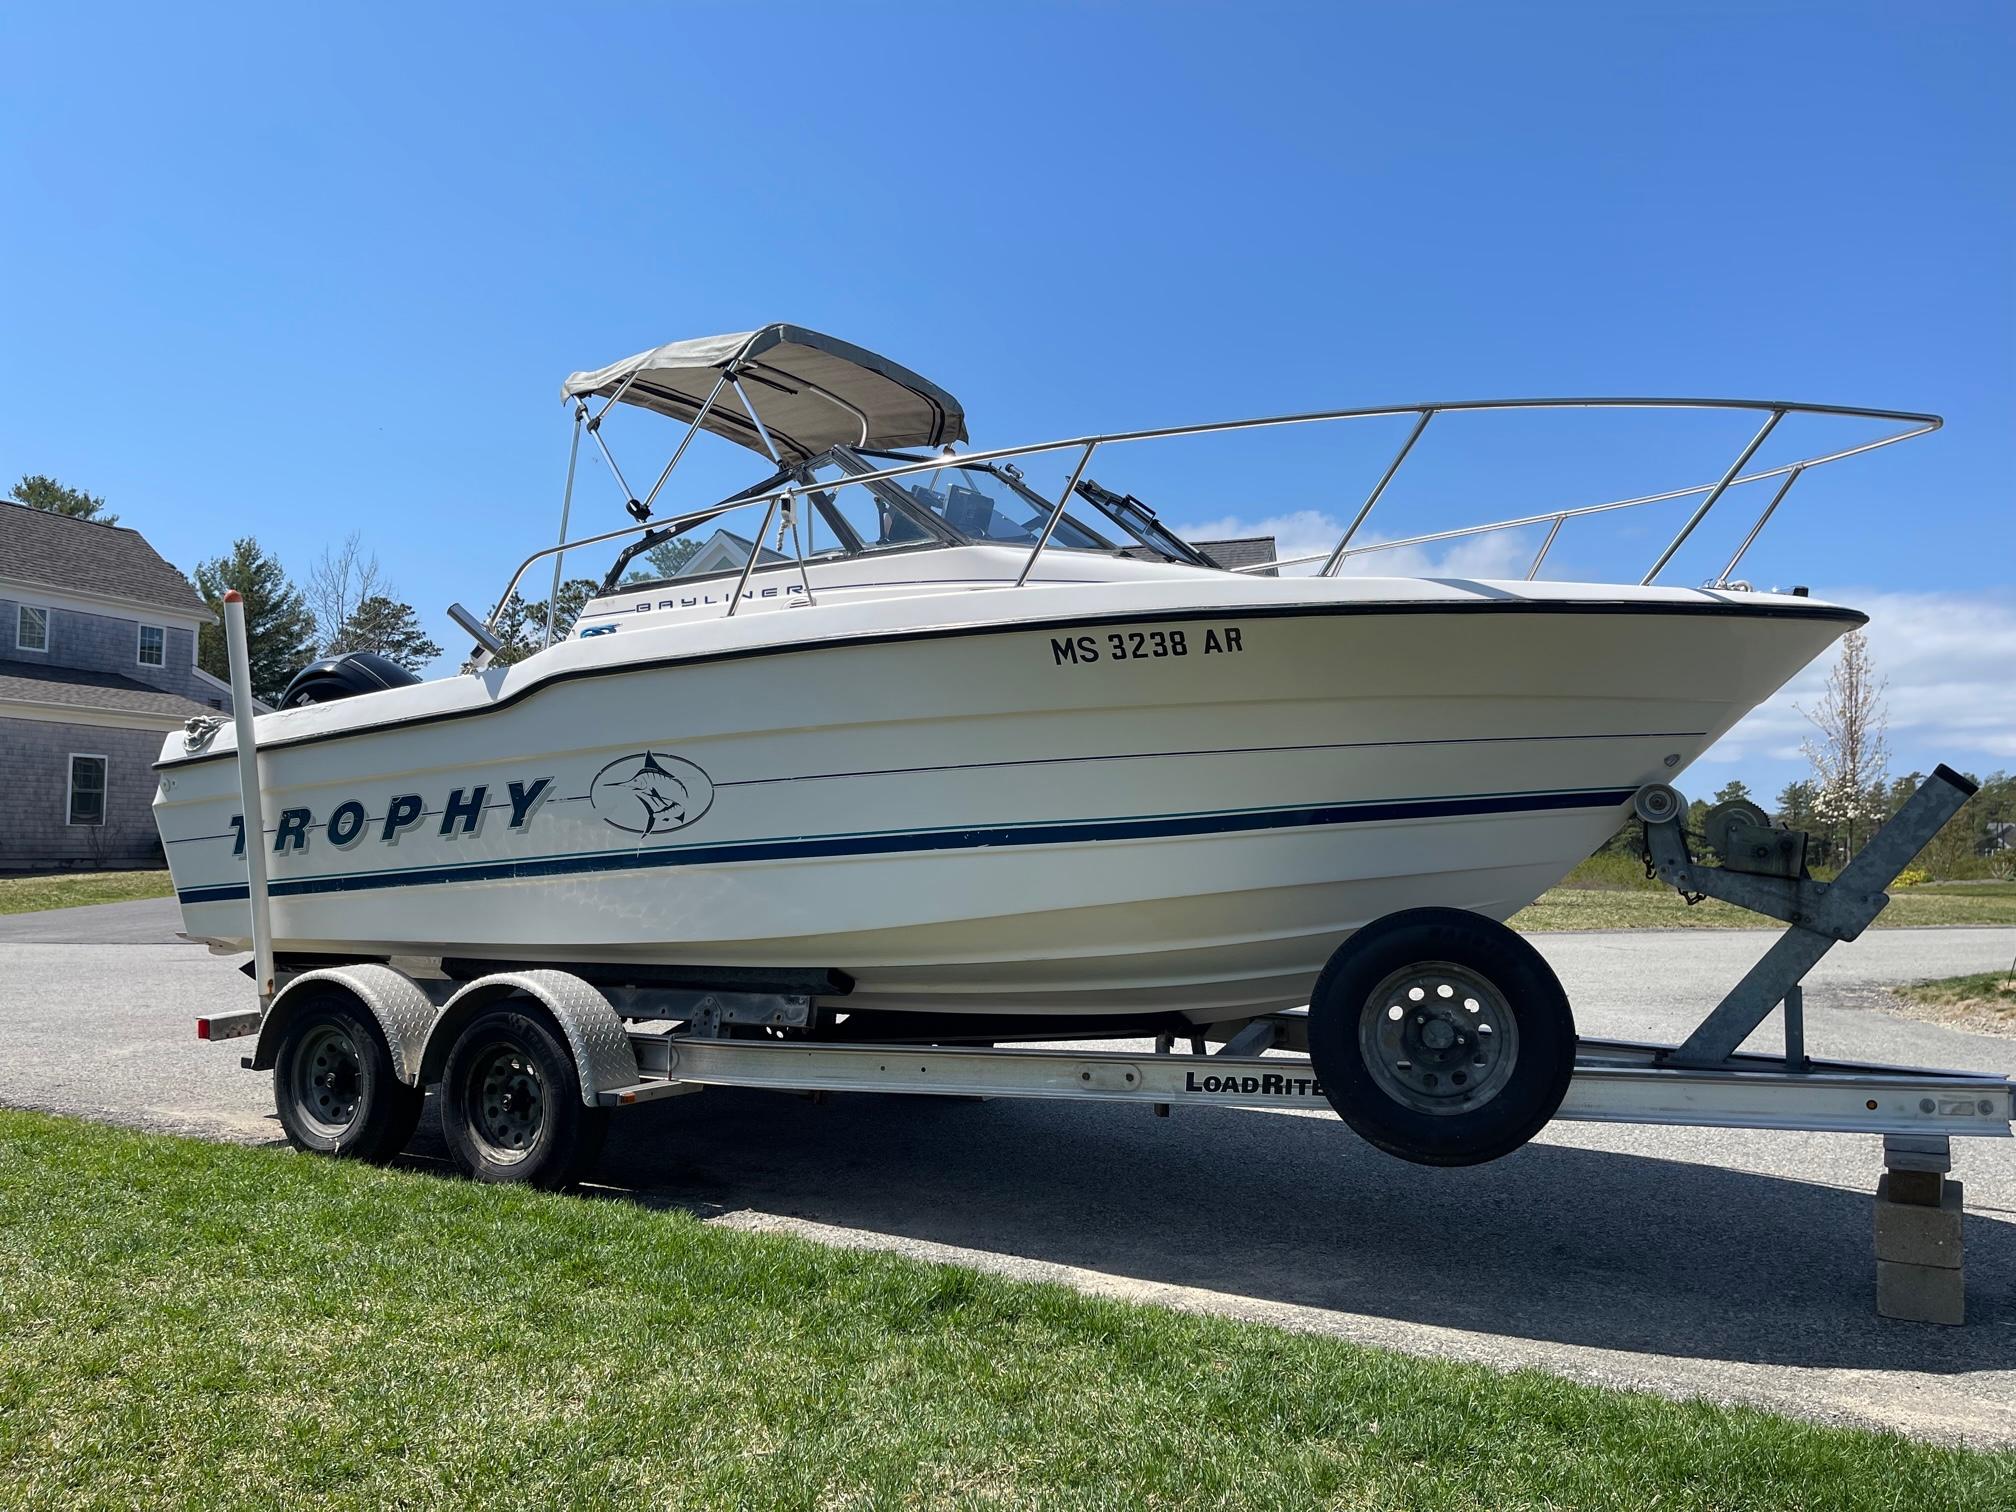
969, 511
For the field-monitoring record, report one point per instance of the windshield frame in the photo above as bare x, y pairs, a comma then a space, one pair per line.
940, 533
1010, 479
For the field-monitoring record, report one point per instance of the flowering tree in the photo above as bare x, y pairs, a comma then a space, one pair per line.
1850, 757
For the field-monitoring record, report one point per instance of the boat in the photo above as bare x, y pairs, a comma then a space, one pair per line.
937, 747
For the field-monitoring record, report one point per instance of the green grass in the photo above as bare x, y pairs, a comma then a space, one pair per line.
1988, 994
191, 1324
69, 889
1612, 892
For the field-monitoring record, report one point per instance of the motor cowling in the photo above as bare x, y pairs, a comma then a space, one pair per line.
344, 676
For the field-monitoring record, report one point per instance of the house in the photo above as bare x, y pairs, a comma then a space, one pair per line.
97, 664
725, 551
1246, 551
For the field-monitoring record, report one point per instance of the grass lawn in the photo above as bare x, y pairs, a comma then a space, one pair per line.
1990, 995
68, 889
184, 1323
1611, 892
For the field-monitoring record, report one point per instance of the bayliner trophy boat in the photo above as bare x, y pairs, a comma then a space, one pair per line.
933, 757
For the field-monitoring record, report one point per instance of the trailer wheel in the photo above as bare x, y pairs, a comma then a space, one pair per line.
1441, 1037
511, 1103
335, 1089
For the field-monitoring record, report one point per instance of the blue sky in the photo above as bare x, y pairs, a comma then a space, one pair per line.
308, 273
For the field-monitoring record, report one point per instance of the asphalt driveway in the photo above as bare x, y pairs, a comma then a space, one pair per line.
1728, 1264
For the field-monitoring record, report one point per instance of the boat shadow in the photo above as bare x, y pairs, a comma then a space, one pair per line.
1599, 1248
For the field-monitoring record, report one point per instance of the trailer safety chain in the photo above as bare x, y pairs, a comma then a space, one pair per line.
1652, 871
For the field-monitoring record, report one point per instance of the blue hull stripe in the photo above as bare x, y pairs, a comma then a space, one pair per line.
1065, 833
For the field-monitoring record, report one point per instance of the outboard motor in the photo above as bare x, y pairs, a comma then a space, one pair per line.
344, 676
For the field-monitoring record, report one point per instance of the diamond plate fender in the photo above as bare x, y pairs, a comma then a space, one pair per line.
594, 1031
399, 1004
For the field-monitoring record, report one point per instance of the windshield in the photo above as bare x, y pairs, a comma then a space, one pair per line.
981, 503
950, 505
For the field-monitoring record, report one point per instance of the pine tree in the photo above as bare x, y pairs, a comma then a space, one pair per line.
40, 492
668, 557
1795, 806
279, 630
388, 627
522, 626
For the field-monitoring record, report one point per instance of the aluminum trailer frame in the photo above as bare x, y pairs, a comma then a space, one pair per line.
1615, 1081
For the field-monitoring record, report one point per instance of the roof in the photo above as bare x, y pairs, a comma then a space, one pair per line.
27, 682
1246, 551
811, 391
61, 551
724, 536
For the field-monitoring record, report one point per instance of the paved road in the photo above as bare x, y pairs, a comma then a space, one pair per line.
1704, 1262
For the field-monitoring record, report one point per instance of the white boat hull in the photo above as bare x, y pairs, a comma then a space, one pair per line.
1025, 817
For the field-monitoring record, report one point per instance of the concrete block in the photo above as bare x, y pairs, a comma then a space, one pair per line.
1913, 1234
1924, 1188
1921, 1293
1918, 1152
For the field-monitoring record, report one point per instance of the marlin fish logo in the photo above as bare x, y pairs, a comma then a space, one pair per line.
662, 794
650, 793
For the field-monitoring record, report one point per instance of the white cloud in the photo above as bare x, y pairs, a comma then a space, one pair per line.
1949, 660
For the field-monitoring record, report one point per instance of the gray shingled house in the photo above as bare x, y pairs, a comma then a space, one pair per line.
1244, 551
97, 663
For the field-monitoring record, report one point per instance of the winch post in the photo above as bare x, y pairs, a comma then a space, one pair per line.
1820, 912
253, 822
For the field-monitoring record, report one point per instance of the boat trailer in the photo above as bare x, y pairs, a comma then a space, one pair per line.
354, 1044
633, 1044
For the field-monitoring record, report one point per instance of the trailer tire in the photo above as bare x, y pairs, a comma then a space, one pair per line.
511, 1104
1441, 1037
335, 1087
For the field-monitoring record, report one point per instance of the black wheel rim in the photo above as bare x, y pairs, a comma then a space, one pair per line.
328, 1080
507, 1102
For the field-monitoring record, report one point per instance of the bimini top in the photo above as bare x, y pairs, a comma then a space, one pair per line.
813, 392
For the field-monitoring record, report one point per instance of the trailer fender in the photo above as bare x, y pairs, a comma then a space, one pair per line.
399, 1004
593, 1030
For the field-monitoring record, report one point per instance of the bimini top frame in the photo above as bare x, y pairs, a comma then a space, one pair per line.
782, 495
811, 391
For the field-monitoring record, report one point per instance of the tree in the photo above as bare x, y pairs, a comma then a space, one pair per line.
388, 627
1850, 758
38, 491
356, 608
279, 630
668, 557
337, 584
1795, 806
1732, 792
1980, 840
522, 626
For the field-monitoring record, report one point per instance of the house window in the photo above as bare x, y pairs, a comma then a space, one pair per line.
31, 629
153, 646
87, 789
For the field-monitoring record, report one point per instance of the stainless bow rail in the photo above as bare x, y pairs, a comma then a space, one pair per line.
1773, 411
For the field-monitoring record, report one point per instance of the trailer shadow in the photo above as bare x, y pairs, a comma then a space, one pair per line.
1613, 1250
